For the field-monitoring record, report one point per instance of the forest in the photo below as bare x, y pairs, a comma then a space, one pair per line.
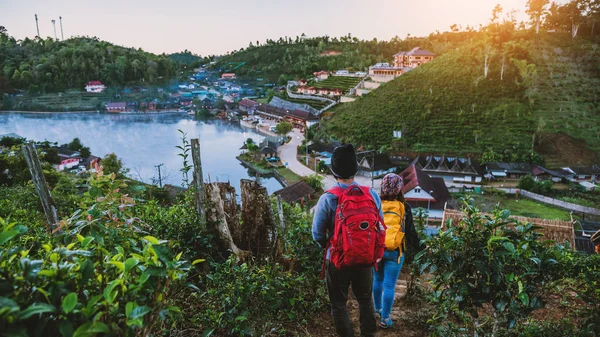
46, 65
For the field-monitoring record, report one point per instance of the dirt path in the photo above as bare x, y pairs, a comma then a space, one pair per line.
401, 314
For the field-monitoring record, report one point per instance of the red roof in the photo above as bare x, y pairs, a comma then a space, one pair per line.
248, 103
322, 72
91, 83
413, 177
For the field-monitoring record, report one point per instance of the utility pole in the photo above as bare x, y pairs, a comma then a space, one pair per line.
37, 26
159, 176
62, 36
54, 24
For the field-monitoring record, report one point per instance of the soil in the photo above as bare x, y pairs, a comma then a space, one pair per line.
560, 149
402, 313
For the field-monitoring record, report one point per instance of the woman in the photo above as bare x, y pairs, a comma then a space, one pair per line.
400, 231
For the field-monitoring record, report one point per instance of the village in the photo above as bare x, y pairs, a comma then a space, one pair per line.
430, 181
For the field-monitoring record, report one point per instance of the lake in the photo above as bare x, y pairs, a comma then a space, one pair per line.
144, 141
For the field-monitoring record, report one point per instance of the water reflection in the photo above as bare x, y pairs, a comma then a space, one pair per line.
143, 141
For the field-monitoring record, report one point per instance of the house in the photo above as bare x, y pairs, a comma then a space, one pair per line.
152, 105
421, 190
311, 91
584, 236
449, 168
68, 159
413, 58
303, 82
185, 101
507, 170
299, 192
207, 102
116, 107
132, 106
541, 174
229, 76
247, 105
299, 118
375, 165
301, 89
383, 72
321, 75
90, 162
589, 173
324, 150
268, 149
95, 87
323, 91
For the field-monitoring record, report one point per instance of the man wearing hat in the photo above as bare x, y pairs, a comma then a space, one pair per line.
344, 167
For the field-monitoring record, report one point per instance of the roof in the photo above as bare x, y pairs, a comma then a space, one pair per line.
248, 103
320, 147
11, 135
414, 176
90, 83
585, 171
523, 168
417, 51
295, 192
300, 114
115, 105
268, 150
382, 162
322, 72
537, 170
444, 164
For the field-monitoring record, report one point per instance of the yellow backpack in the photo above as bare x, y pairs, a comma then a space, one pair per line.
393, 217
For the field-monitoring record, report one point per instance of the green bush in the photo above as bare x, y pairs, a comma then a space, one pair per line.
99, 273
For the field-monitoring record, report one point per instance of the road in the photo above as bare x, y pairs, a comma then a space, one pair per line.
288, 153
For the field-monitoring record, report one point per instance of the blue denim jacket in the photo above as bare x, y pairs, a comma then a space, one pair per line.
325, 215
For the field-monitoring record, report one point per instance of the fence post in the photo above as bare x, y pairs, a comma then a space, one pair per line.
39, 181
200, 195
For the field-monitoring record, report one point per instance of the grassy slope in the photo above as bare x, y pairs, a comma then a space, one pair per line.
567, 100
433, 106
441, 106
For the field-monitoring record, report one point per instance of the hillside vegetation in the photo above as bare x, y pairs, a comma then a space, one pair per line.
506, 94
289, 58
48, 66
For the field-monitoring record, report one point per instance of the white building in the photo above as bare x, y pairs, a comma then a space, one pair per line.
95, 86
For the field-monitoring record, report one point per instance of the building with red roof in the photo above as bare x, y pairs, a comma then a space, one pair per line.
413, 58
229, 76
95, 87
420, 190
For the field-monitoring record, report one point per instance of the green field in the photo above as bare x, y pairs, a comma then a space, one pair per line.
521, 207
313, 103
70, 101
333, 82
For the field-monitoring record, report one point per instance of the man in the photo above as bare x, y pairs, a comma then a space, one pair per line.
344, 167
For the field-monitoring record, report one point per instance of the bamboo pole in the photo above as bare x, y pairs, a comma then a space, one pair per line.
39, 181
200, 194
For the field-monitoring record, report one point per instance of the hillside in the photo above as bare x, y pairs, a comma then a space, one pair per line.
448, 106
289, 58
48, 66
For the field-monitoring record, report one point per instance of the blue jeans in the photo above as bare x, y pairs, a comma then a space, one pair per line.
384, 284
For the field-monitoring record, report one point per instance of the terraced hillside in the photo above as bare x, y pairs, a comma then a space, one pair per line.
447, 106
337, 82
443, 106
69, 101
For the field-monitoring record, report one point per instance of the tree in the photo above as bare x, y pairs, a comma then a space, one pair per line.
85, 152
535, 10
282, 128
113, 164
75, 145
315, 181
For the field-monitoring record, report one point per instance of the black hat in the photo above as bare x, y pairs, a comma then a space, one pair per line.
343, 162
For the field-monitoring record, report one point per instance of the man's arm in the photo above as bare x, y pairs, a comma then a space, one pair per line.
321, 220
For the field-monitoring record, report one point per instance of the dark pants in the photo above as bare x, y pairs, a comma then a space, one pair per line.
338, 282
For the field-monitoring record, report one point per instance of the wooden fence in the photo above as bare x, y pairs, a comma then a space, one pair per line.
556, 230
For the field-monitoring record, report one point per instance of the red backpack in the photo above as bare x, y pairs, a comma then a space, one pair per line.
357, 239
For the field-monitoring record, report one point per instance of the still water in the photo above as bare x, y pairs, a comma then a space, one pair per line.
144, 141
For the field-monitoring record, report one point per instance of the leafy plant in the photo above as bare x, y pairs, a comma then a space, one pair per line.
184, 154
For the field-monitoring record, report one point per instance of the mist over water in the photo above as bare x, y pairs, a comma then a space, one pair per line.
143, 141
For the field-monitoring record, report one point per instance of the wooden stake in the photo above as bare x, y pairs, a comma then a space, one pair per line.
199, 182
39, 181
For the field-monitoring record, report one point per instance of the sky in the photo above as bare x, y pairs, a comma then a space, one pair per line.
216, 27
